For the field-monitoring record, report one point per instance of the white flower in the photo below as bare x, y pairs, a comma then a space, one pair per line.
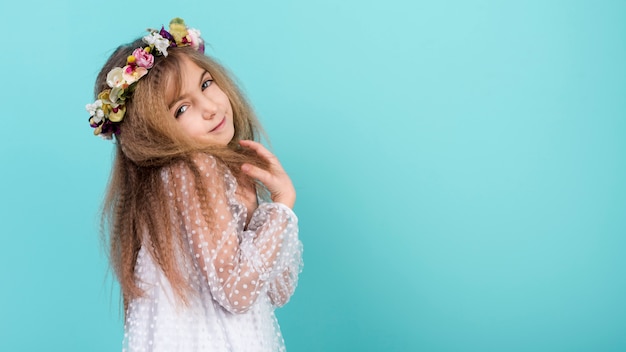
160, 43
114, 96
150, 38
97, 118
115, 78
93, 108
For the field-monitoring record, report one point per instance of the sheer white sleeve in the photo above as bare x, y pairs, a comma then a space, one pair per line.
237, 264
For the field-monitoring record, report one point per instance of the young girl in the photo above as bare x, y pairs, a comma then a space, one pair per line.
201, 263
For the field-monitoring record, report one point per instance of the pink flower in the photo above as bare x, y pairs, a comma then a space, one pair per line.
143, 58
196, 41
133, 74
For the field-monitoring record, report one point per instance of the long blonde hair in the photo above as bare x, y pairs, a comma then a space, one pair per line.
149, 140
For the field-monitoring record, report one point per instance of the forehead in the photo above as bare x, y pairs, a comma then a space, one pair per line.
179, 76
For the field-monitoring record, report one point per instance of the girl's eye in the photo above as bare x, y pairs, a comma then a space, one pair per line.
206, 84
180, 110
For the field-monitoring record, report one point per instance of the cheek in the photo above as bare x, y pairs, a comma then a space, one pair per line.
225, 101
188, 127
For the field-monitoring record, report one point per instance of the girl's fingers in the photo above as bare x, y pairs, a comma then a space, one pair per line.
257, 173
275, 178
275, 169
260, 150
280, 188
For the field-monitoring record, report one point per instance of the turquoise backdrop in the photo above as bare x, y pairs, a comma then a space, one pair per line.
460, 168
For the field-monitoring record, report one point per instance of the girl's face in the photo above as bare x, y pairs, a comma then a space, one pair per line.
202, 109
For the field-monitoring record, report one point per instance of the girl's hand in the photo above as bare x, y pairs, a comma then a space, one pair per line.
275, 178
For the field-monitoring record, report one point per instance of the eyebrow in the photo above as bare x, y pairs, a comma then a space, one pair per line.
182, 97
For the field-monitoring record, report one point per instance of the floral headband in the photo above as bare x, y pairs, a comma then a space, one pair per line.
107, 112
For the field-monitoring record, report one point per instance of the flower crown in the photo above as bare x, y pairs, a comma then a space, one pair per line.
107, 112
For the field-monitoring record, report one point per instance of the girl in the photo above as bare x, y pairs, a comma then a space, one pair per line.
201, 263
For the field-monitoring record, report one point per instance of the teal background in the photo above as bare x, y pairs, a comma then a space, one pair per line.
460, 168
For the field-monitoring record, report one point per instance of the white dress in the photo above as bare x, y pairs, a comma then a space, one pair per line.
239, 274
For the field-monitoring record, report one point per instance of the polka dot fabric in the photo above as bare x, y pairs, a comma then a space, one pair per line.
239, 274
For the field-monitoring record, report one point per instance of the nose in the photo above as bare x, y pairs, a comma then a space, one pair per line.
208, 107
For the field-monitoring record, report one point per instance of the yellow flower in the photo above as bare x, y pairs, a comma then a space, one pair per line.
106, 109
178, 29
104, 95
119, 115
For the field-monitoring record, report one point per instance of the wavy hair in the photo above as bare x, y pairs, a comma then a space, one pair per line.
150, 140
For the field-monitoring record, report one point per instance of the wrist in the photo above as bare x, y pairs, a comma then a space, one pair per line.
286, 199
289, 203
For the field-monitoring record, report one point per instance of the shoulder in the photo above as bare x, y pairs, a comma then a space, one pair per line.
206, 165
197, 167
198, 176
203, 163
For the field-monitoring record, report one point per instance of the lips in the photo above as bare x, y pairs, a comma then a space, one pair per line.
219, 125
